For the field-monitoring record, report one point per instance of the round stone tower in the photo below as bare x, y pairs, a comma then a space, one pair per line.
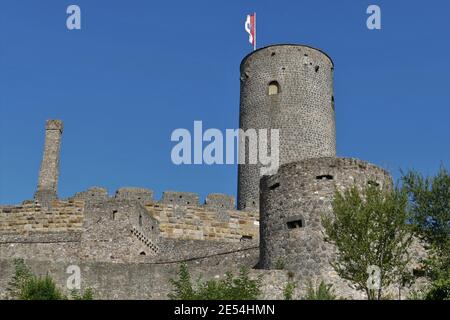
290, 88
292, 203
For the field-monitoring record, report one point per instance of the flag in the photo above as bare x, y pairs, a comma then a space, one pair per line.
250, 27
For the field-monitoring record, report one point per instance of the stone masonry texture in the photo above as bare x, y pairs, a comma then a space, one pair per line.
303, 109
49, 172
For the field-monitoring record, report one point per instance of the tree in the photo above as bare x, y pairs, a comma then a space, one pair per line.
229, 288
370, 230
429, 206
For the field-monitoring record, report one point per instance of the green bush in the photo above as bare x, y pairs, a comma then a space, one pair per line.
230, 288
37, 288
26, 286
322, 292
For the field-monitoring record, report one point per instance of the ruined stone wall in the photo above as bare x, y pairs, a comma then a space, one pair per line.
302, 109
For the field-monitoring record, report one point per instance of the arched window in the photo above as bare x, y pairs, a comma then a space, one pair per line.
140, 220
274, 88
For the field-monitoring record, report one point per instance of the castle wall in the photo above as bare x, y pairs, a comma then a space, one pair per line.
141, 195
128, 227
303, 108
204, 222
32, 216
180, 198
219, 201
140, 281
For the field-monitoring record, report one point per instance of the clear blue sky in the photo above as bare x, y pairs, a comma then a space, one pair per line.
140, 69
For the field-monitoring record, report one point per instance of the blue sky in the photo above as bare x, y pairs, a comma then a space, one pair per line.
137, 70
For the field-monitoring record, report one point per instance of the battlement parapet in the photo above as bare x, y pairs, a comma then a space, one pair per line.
219, 201
180, 198
92, 194
130, 193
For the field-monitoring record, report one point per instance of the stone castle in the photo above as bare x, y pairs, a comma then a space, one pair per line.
129, 245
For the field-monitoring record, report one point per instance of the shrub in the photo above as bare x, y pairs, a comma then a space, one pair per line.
24, 285
230, 288
288, 291
322, 292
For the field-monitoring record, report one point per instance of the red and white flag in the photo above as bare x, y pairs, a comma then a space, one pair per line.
250, 27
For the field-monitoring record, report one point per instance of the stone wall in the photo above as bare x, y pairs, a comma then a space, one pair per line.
33, 217
137, 280
204, 222
127, 227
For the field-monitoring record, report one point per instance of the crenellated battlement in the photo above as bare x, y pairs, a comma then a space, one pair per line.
178, 215
215, 201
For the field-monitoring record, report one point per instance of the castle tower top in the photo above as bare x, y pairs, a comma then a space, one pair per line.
282, 46
49, 172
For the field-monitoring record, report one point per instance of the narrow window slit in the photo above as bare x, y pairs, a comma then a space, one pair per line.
324, 177
274, 186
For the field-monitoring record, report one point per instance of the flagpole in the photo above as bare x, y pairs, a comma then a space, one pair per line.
254, 42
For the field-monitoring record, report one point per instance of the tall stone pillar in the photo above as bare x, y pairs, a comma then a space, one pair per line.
49, 172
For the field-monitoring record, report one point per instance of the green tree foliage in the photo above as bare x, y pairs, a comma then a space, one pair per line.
21, 277
370, 228
24, 285
429, 205
240, 287
322, 292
